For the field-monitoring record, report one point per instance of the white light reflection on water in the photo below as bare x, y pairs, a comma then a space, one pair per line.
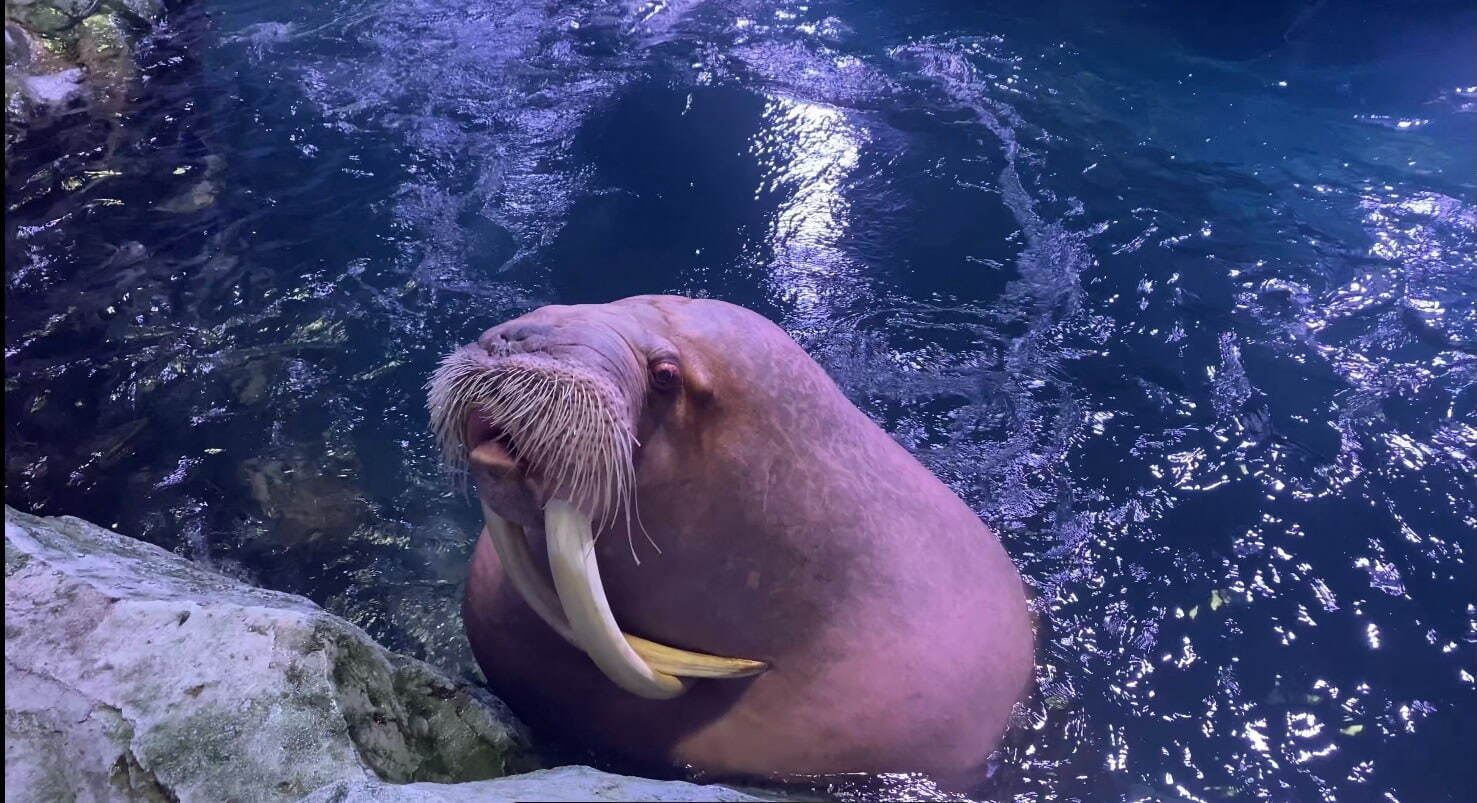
808, 150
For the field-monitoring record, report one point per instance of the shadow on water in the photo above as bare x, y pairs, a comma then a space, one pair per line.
1183, 305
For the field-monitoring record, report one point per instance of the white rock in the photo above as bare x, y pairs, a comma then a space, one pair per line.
134, 674
563, 783
53, 88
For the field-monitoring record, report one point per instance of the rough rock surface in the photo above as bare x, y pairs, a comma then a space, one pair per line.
133, 674
563, 783
68, 56
94, 41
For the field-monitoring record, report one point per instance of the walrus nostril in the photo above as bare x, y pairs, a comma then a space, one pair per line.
524, 334
527, 331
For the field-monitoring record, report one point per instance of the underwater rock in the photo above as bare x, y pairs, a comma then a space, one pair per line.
126, 255
47, 89
113, 446
303, 495
134, 674
105, 46
563, 783
197, 197
57, 50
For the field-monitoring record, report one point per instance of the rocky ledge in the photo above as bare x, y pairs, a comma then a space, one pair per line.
562, 783
134, 674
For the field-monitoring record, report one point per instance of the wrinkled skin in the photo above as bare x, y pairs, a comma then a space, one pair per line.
792, 530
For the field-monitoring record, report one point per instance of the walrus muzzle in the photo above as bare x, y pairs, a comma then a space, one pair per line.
531, 422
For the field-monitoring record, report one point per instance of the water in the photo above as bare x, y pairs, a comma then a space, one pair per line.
1185, 305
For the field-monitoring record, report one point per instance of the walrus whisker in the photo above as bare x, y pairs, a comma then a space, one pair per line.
642, 526
563, 424
453, 384
572, 472
580, 473
621, 482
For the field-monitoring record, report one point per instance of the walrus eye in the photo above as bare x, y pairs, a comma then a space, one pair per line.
665, 375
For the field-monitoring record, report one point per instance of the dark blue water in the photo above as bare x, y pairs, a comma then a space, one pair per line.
1183, 302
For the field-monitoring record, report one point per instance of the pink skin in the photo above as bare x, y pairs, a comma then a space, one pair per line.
792, 530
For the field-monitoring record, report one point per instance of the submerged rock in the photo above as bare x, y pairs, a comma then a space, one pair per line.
58, 49
563, 783
306, 493
197, 197
134, 674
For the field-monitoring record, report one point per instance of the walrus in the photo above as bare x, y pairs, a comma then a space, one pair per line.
700, 556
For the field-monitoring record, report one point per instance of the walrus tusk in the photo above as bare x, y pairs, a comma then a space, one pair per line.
577, 579
512, 551
689, 664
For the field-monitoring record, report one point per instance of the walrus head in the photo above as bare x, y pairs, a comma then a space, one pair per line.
544, 412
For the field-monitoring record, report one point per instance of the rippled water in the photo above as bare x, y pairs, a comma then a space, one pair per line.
1184, 304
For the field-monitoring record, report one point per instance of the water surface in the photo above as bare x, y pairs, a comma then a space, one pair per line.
1184, 305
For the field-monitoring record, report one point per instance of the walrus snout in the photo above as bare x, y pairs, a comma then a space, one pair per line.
518, 334
548, 440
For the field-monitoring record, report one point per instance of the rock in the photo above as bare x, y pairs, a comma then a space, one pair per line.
57, 50
111, 447
306, 492
197, 197
134, 674
563, 783
50, 89
126, 255
252, 379
105, 47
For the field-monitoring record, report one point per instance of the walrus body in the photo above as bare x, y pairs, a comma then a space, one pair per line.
792, 530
